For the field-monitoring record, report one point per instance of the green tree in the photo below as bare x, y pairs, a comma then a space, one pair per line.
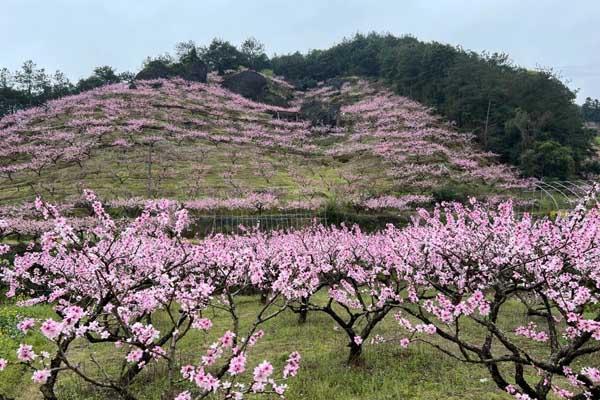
61, 86
6, 78
590, 110
101, 76
254, 54
221, 56
31, 80
548, 159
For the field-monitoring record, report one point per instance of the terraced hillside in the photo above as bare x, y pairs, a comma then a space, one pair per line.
212, 148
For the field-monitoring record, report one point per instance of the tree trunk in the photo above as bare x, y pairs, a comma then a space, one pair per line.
264, 297
303, 314
355, 359
47, 389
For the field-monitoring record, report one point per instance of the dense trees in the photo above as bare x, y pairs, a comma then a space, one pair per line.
512, 110
254, 54
101, 76
590, 110
189, 65
32, 86
222, 56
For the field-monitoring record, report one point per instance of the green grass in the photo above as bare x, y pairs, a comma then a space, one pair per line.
389, 372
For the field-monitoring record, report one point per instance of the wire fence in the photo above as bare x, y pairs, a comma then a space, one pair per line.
237, 224
544, 198
204, 225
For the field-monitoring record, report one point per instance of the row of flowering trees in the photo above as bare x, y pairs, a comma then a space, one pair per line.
114, 283
451, 279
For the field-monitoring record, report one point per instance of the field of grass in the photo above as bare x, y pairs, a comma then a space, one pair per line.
388, 372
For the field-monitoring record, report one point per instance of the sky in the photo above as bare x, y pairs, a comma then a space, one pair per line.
77, 35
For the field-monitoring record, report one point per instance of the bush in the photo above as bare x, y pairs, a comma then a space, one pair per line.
455, 192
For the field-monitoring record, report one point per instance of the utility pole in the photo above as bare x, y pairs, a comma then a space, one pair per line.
487, 121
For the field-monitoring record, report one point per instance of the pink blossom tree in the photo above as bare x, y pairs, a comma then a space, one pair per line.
478, 264
114, 283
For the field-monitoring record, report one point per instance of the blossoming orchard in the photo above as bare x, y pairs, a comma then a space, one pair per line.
173, 239
141, 287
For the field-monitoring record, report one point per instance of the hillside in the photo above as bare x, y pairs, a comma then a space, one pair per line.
215, 149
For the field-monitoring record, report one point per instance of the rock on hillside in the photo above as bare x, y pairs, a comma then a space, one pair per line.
255, 86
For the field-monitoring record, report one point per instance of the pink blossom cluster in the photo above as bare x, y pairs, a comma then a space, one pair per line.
456, 263
108, 285
252, 201
176, 118
407, 136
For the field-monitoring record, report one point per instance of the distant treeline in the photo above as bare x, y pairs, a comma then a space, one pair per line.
528, 117
590, 110
32, 86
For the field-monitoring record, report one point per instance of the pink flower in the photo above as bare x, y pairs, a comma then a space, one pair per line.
184, 396
41, 376
187, 371
358, 340
145, 334
227, 339
72, 315
202, 324
237, 364
254, 338
592, 373
404, 342
25, 353
213, 353
292, 365
25, 325
182, 221
263, 371
135, 355
4, 248
51, 329
3, 364
206, 381
279, 389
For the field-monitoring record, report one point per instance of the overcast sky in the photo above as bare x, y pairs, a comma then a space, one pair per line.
77, 35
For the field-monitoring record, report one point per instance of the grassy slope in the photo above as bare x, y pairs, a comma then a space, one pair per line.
122, 173
194, 168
